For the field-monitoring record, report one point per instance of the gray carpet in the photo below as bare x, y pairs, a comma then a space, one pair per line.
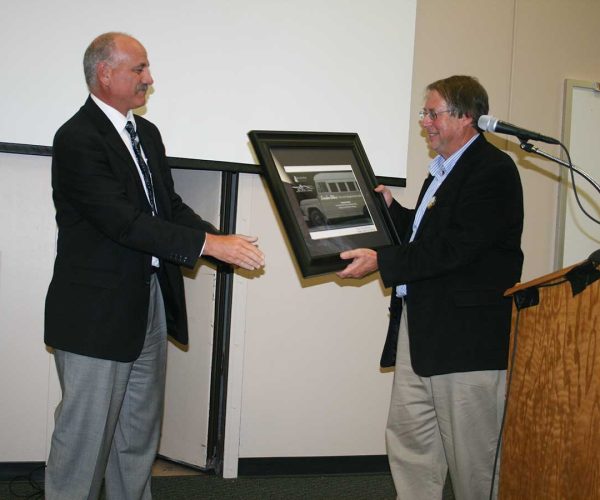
367, 487
208, 487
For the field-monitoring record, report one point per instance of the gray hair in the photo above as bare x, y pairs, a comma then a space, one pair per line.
100, 50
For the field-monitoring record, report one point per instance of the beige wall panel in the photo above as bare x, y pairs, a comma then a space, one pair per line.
554, 40
521, 51
457, 37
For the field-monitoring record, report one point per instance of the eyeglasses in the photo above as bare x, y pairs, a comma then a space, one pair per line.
432, 114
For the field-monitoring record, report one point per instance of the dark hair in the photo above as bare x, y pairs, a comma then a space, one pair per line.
464, 95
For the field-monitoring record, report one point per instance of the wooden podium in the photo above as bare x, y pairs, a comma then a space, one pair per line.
551, 439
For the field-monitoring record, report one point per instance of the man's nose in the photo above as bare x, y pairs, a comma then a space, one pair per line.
148, 77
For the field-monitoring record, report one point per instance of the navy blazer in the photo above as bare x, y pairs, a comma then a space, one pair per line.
97, 302
465, 254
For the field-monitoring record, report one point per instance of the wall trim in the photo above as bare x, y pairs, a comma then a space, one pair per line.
183, 163
174, 162
291, 466
392, 181
11, 470
25, 149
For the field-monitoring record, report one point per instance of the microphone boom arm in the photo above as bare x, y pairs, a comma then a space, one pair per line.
530, 148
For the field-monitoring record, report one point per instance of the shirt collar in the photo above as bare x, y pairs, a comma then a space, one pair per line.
116, 118
441, 167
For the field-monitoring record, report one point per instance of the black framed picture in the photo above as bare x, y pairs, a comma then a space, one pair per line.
322, 184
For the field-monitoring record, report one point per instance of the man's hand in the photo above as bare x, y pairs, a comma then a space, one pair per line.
364, 261
235, 249
387, 194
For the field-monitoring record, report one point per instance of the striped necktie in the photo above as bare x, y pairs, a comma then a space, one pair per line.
135, 142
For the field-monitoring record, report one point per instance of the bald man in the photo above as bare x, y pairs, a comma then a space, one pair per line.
117, 290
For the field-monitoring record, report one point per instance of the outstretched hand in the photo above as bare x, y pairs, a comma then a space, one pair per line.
364, 261
236, 249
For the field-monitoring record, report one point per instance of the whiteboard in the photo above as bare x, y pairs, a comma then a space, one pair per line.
577, 235
223, 68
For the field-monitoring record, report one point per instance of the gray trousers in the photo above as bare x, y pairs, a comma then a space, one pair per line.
107, 425
440, 424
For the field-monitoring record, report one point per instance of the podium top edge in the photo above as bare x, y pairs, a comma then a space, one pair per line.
542, 280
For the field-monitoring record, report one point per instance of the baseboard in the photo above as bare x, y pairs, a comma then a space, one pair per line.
292, 466
12, 470
271, 466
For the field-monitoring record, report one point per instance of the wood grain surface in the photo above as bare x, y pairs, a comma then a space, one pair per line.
551, 444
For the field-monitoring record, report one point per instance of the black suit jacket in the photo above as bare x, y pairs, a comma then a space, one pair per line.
97, 302
465, 254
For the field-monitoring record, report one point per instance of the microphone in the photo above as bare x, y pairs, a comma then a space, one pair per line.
491, 124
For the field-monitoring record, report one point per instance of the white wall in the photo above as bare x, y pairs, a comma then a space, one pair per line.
578, 234
312, 384
221, 69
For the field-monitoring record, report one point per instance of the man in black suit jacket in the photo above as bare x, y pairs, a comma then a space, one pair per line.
449, 319
117, 289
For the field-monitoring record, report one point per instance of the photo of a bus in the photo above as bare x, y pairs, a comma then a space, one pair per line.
337, 197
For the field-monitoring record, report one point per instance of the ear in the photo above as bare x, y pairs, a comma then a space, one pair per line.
467, 120
103, 73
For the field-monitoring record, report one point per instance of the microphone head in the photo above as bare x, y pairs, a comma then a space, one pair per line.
487, 123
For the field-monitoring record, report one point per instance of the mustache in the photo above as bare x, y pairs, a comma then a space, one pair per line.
143, 87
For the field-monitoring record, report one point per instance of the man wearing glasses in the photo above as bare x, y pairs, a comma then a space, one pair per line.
449, 321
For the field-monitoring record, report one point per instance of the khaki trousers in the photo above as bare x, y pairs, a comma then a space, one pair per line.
442, 424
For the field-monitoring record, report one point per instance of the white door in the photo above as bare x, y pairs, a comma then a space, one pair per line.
187, 399
578, 236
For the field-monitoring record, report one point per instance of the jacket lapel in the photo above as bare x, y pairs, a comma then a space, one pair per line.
107, 130
115, 142
449, 185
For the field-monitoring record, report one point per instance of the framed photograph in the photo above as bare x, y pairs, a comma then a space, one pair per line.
322, 184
